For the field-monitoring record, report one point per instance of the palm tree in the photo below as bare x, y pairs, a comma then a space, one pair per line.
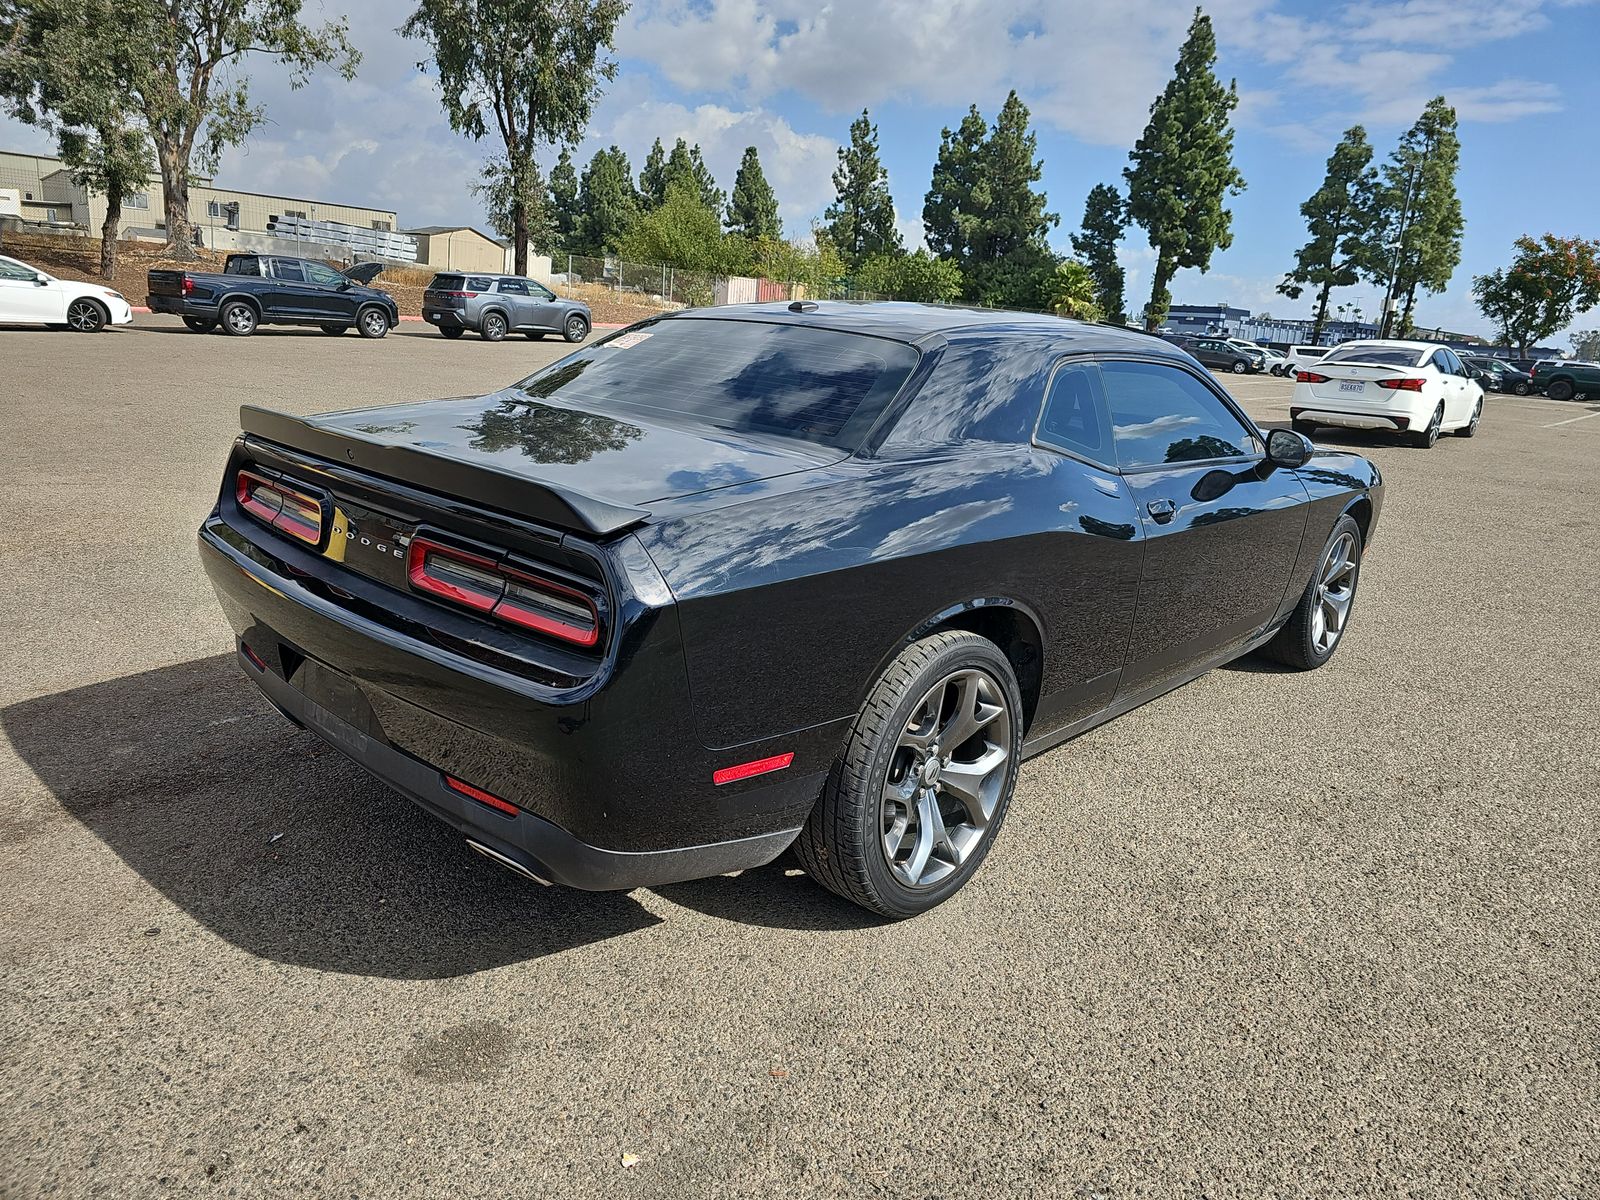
1072, 292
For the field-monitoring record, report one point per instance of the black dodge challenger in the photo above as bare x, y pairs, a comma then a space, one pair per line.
732, 580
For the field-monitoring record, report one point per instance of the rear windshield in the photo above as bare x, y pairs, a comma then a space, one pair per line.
1378, 356
817, 385
458, 283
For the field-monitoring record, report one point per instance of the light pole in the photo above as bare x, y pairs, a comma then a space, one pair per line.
1387, 314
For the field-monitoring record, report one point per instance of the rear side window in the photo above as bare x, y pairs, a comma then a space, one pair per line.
288, 270
242, 264
1161, 414
1074, 415
513, 287
817, 385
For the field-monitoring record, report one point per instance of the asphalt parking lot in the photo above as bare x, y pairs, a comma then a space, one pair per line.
1331, 934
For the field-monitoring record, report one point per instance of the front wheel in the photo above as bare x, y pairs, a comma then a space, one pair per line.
373, 323
1522, 388
1561, 389
1239, 368
576, 329
86, 316
1423, 439
1317, 625
199, 324
922, 786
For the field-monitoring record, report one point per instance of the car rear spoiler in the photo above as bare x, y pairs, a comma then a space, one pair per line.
362, 273
517, 495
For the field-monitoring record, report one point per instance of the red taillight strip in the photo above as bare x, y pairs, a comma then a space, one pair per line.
303, 521
1309, 377
509, 610
417, 570
760, 766
481, 796
1413, 384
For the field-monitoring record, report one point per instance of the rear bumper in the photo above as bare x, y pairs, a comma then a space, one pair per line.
444, 318
177, 306
528, 844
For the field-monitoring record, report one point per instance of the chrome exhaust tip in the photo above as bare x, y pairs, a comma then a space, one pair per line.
509, 864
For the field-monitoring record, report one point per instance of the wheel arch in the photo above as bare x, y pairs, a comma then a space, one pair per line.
1012, 626
242, 298
498, 311
105, 310
1360, 509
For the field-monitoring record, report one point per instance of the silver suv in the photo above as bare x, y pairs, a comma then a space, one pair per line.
495, 305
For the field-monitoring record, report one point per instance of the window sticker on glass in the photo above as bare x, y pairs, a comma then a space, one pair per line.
628, 340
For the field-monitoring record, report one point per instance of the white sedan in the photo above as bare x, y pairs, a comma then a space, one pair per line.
1418, 389
29, 296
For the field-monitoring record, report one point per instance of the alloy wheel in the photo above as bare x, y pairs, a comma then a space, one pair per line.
374, 323
1336, 588
945, 778
575, 329
85, 316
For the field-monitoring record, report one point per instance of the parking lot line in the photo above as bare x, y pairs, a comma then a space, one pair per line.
1570, 420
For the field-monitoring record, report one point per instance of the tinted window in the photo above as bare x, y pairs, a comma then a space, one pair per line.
1074, 416
1456, 365
323, 275
242, 264
1382, 356
513, 287
789, 380
539, 291
1161, 414
447, 283
288, 270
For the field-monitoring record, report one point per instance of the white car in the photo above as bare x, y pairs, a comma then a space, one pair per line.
1271, 360
1419, 389
1301, 357
29, 296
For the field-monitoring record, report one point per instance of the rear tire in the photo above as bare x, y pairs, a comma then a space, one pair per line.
493, 328
1306, 640
199, 324
1522, 388
1424, 439
1561, 389
904, 821
334, 330
451, 331
1471, 427
239, 319
1304, 428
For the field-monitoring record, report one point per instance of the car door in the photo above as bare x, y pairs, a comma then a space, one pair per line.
545, 308
329, 293
1457, 407
288, 297
23, 298
519, 309
1222, 529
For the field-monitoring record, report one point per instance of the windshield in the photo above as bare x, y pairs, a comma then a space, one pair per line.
1378, 356
795, 381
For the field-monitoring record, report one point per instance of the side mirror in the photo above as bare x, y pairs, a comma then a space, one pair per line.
41, 280
1286, 448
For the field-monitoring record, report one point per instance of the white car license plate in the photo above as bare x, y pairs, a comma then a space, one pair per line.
1349, 386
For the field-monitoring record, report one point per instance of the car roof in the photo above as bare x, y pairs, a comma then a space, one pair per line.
1395, 343
915, 323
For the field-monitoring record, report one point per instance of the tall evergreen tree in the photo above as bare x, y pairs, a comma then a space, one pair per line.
1183, 168
1340, 217
607, 204
711, 195
653, 177
1105, 216
861, 217
958, 195
564, 199
1014, 263
1419, 213
753, 210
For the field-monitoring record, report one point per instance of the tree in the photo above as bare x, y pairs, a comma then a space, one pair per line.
564, 199
1105, 216
861, 217
753, 211
653, 176
535, 65
62, 71
1418, 223
1340, 217
683, 231
1549, 282
1074, 292
1586, 345
958, 195
178, 72
497, 188
1183, 168
607, 204
813, 266
917, 276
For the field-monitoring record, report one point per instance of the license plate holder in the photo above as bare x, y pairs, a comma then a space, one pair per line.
335, 695
1353, 385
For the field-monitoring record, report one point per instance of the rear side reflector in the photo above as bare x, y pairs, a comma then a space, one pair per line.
1401, 385
481, 796
1310, 377
256, 660
288, 510
506, 593
760, 766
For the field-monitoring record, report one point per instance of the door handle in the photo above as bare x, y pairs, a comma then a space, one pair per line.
1161, 511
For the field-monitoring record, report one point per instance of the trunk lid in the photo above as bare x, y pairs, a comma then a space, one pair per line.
567, 467
1345, 382
165, 283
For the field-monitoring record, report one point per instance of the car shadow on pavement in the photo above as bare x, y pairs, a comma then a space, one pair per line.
777, 896
277, 843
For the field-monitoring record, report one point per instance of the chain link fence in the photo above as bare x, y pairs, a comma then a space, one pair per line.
665, 286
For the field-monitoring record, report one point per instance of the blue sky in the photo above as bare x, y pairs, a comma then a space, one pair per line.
789, 75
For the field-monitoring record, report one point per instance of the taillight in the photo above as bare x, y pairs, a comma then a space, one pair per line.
188, 285
1401, 385
507, 593
275, 503
1309, 377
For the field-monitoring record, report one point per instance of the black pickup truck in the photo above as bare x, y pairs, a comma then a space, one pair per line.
268, 289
